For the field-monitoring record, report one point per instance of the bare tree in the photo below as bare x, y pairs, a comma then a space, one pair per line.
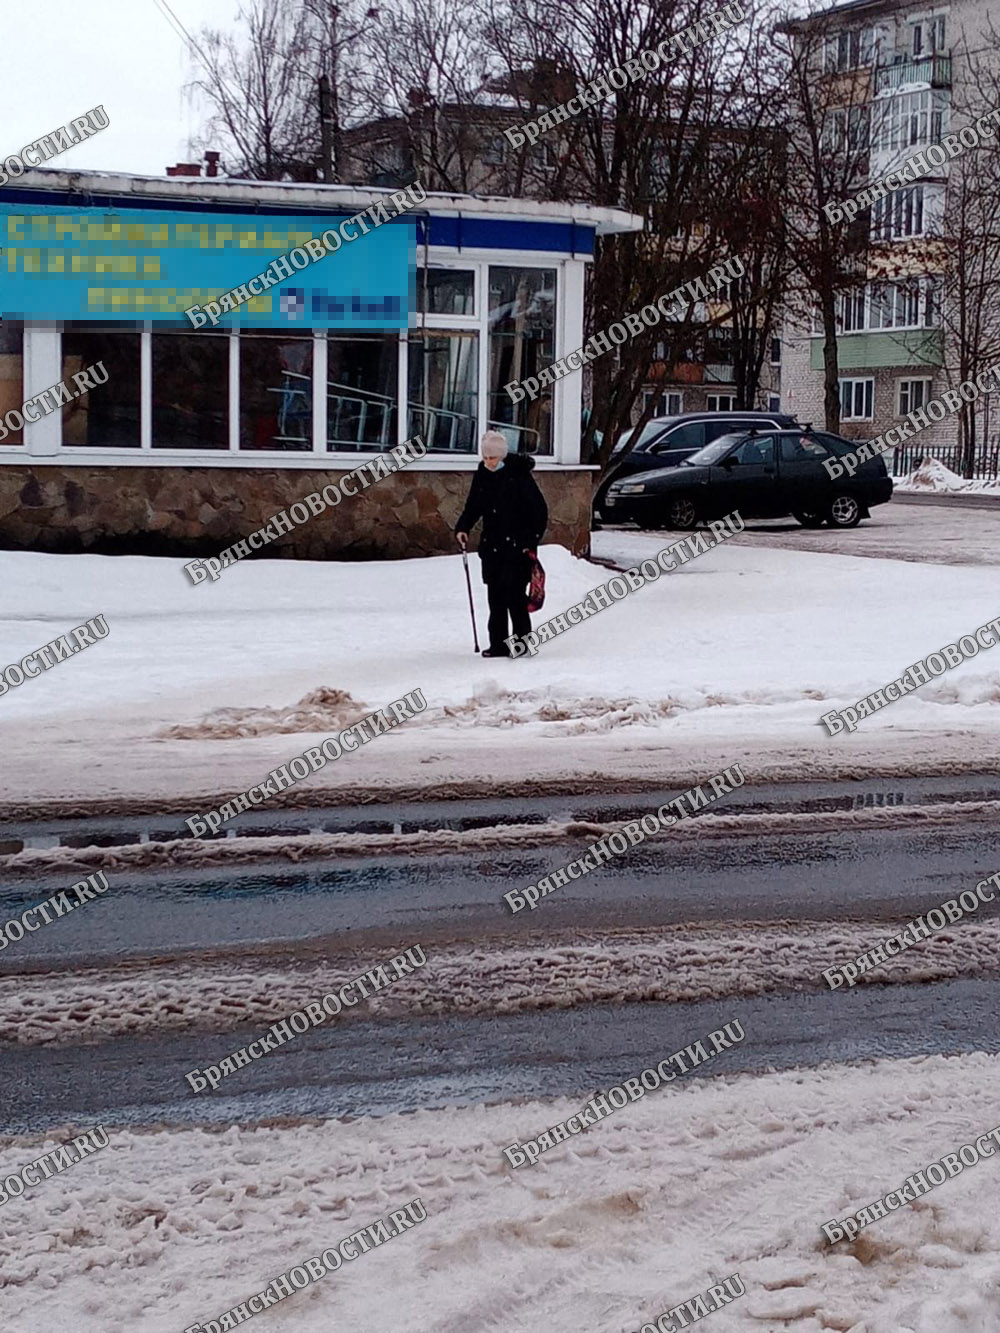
673, 146
261, 82
827, 115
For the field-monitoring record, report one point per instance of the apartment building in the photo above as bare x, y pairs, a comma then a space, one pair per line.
906, 70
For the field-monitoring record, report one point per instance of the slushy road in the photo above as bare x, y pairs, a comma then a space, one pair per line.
288, 916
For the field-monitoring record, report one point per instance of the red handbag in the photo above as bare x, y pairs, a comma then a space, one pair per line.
536, 586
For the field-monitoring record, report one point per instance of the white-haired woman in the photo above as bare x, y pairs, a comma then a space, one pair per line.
506, 497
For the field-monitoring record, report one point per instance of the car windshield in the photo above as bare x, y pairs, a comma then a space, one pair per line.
714, 451
648, 432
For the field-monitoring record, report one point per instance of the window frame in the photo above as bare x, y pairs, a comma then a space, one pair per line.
926, 381
730, 398
42, 357
867, 383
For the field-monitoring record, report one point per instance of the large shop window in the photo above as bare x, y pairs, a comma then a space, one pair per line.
11, 375
106, 416
443, 390
276, 390
190, 390
522, 342
361, 391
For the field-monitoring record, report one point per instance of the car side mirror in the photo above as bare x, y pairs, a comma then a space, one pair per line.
729, 462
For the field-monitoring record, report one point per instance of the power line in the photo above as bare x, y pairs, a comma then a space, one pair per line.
182, 32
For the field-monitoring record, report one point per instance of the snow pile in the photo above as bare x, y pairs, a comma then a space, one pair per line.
932, 475
673, 963
325, 709
643, 1210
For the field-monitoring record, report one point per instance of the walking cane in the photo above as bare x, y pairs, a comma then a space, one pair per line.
472, 609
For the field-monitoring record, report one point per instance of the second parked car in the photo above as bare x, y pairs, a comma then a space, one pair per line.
667, 441
762, 474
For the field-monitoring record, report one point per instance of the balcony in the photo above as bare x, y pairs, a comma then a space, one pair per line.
932, 70
883, 349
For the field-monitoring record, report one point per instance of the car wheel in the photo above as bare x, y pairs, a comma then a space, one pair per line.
808, 520
845, 512
681, 514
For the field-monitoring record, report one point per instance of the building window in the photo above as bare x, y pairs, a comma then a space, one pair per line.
857, 398
664, 404
11, 375
898, 216
908, 121
361, 390
108, 416
849, 50
446, 291
443, 390
522, 305
912, 394
851, 313
775, 351
846, 130
927, 36
774, 402
901, 305
190, 390
276, 390
721, 402
908, 304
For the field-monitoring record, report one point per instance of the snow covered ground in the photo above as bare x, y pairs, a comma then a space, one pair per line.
639, 1212
732, 657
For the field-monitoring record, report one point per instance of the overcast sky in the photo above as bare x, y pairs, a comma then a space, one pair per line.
63, 57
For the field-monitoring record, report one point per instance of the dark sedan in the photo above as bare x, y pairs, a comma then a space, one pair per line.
763, 474
667, 441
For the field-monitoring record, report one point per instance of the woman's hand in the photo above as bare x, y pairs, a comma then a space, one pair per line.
462, 538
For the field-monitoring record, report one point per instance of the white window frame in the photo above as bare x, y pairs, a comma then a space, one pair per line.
923, 36
861, 310
900, 216
852, 48
904, 390
673, 401
908, 120
774, 402
730, 399
43, 367
867, 384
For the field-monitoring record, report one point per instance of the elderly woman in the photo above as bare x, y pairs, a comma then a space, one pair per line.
506, 497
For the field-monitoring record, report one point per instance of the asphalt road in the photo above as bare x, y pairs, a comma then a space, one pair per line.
370, 1068
289, 914
926, 532
863, 875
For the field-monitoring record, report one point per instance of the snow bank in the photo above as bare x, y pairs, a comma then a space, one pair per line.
677, 963
932, 475
499, 837
641, 1211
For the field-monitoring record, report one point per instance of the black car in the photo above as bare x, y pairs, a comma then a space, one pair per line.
667, 441
762, 474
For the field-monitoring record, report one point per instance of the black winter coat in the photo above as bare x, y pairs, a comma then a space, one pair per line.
513, 511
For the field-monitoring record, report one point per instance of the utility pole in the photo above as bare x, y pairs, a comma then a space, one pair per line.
329, 88
328, 160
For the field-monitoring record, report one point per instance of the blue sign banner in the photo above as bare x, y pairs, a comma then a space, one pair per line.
61, 263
